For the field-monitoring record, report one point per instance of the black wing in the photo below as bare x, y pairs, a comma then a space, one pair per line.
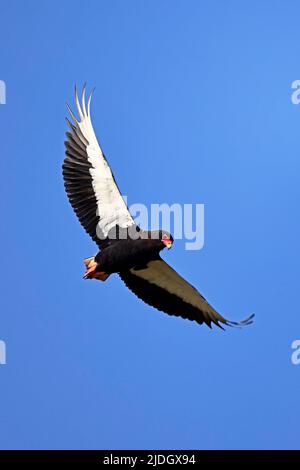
162, 287
89, 182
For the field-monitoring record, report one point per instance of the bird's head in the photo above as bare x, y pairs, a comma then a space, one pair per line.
166, 239
159, 238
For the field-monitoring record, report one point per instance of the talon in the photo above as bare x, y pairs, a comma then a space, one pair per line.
91, 272
91, 266
89, 261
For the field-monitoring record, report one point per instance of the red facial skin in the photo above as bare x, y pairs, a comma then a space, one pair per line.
167, 242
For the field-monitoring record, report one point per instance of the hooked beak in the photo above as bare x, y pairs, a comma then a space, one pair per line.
168, 243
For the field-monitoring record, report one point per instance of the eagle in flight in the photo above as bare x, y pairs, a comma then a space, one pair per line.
125, 249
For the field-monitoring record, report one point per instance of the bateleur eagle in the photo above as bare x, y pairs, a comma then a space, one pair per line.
125, 249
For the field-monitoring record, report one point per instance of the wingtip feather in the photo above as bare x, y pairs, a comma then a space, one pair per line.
239, 324
72, 114
89, 102
78, 104
83, 100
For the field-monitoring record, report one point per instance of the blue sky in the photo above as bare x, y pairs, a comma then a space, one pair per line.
192, 105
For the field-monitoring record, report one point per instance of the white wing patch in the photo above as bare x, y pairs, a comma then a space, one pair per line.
111, 207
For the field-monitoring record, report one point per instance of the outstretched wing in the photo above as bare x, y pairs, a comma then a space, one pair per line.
162, 287
89, 181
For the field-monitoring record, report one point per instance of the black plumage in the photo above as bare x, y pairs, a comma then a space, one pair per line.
124, 249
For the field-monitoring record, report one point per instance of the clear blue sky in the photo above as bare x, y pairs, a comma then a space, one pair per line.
204, 86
